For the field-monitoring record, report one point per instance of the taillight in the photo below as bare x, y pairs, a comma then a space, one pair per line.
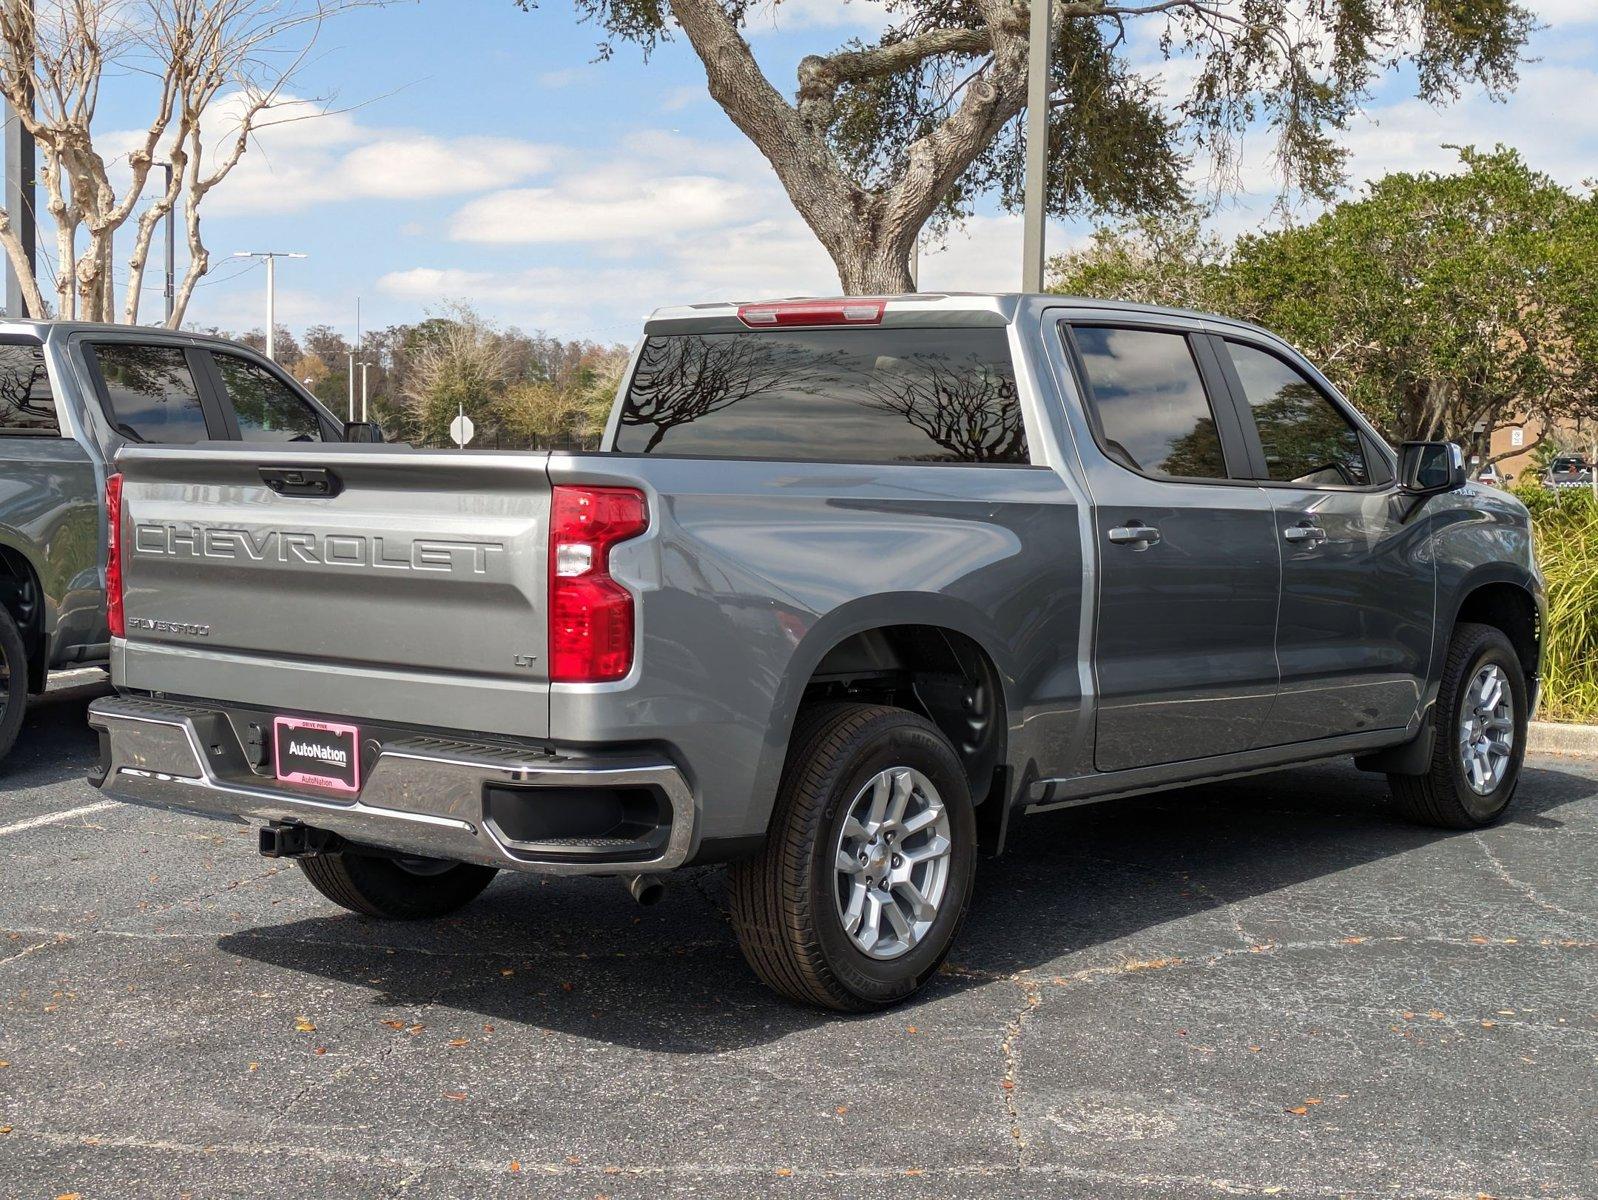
590, 614
113, 557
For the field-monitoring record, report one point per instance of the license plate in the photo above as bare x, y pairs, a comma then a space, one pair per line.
318, 753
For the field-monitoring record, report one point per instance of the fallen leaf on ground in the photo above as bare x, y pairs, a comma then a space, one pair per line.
459, 1042
395, 1024
515, 1166
304, 1025
4, 1129
784, 1172
1299, 1111
841, 1109
454, 1095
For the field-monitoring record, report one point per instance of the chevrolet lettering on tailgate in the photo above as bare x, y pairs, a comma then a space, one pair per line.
315, 549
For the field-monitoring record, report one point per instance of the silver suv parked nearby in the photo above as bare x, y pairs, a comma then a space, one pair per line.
71, 396
853, 586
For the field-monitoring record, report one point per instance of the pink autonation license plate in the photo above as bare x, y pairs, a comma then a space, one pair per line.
318, 753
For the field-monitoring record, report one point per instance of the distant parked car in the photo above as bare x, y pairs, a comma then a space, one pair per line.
71, 396
1568, 471
1493, 477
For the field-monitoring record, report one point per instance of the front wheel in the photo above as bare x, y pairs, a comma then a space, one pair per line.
1480, 743
866, 873
402, 889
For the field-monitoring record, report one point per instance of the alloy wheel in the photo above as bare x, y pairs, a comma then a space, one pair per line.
1486, 729
892, 862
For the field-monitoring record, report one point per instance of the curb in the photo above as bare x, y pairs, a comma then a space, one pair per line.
1555, 737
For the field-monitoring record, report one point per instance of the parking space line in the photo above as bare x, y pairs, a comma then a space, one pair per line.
57, 818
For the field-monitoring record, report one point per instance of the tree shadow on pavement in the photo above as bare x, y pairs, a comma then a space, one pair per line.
577, 956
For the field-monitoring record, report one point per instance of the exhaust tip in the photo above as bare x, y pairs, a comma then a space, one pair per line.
646, 889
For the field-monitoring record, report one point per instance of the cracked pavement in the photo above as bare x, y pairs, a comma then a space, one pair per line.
1265, 987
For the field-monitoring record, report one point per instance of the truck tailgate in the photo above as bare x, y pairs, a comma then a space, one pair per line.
409, 587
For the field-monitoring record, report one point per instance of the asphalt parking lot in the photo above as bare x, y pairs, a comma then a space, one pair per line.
1263, 988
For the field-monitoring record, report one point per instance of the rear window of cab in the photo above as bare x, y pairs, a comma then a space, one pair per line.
850, 395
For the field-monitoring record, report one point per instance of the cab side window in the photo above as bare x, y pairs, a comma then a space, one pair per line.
27, 405
1306, 438
1149, 400
151, 393
268, 410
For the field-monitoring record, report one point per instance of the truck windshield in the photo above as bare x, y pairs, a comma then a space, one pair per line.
873, 395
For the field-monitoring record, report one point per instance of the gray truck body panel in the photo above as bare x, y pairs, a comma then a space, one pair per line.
416, 598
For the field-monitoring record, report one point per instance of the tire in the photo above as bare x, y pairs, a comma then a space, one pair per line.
788, 905
13, 682
1447, 795
386, 887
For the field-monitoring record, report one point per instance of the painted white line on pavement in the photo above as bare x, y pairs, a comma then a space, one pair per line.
56, 818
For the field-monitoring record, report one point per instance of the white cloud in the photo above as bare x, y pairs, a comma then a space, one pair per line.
304, 159
785, 16
599, 209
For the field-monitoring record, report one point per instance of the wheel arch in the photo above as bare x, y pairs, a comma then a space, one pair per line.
1511, 602
22, 596
929, 654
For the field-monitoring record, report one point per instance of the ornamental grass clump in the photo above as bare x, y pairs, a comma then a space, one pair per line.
1565, 524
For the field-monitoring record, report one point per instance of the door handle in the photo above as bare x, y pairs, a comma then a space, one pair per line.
1305, 532
1139, 537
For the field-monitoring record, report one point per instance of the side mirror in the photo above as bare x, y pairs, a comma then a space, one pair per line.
1430, 468
363, 431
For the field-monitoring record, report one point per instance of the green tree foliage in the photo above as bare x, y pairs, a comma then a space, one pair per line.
1436, 301
878, 137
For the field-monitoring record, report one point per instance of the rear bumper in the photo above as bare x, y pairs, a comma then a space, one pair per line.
424, 795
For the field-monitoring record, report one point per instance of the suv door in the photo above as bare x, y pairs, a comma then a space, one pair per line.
1354, 635
1184, 653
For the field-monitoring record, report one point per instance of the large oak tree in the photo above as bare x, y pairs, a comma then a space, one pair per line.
877, 139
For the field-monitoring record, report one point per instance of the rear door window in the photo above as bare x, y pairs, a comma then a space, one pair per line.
151, 393
267, 409
1306, 438
1148, 399
879, 395
27, 404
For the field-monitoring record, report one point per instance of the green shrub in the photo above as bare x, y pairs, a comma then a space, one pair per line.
1565, 525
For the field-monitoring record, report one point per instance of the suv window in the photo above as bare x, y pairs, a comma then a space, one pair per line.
27, 405
151, 392
267, 409
878, 395
1306, 438
1147, 395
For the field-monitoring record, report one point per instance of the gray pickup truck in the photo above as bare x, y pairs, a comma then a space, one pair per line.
71, 396
851, 585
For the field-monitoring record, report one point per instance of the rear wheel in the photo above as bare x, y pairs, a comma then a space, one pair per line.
403, 889
13, 682
1481, 719
866, 875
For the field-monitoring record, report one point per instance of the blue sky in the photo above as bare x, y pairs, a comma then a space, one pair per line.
483, 156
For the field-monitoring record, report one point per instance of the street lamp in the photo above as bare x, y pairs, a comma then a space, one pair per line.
271, 257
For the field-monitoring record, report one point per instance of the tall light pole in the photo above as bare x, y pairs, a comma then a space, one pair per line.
271, 257
1037, 148
171, 290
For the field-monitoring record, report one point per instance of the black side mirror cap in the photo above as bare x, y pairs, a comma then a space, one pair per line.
1431, 468
363, 431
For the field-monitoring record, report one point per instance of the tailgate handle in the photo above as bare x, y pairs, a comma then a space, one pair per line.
302, 481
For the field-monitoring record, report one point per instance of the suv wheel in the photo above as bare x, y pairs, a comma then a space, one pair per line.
866, 874
1481, 719
403, 889
13, 682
